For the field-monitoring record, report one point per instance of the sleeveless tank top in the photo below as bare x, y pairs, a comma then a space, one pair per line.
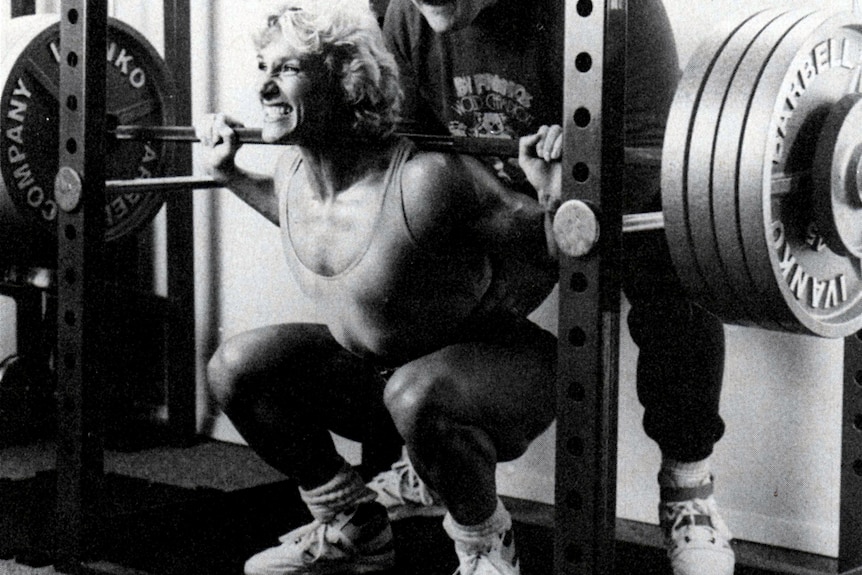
396, 300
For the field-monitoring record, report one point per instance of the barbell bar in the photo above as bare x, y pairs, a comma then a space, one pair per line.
428, 142
501, 147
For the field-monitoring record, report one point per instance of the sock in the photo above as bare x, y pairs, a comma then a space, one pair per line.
483, 534
343, 493
676, 474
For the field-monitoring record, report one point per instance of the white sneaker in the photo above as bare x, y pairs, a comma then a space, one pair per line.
497, 557
404, 494
355, 542
696, 538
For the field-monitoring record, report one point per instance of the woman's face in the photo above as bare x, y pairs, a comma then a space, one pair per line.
291, 94
448, 15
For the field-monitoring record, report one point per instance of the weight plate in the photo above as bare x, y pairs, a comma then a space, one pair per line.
680, 135
724, 197
139, 91
813, 67
707, 163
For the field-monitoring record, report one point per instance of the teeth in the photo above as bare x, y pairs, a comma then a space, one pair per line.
276, 113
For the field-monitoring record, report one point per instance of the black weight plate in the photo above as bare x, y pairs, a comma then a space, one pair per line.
139, 91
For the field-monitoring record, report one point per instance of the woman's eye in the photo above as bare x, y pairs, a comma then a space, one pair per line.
261, 66
290, 69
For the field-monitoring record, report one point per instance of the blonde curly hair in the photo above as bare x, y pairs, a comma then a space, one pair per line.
346, 37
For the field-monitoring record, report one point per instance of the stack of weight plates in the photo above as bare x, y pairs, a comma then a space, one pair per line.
736, 172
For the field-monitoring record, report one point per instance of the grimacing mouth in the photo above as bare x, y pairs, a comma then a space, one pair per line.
275, 112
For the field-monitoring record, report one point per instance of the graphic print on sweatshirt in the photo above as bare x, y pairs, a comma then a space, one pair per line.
489, 106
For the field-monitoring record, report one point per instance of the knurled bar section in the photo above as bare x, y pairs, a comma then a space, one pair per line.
850, 521
585, 510
80, 234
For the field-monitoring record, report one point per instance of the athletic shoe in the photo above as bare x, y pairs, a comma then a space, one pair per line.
696, 538
404, 494
359, 541
497, 557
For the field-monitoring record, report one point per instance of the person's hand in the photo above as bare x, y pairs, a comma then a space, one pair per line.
215, 132
539, 157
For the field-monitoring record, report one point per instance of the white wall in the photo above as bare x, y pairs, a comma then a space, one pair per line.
777, 467
7, 305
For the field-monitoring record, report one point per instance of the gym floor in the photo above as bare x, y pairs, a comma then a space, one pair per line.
204, 509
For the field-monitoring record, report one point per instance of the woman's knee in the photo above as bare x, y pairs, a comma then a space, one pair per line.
225, 371
416, 401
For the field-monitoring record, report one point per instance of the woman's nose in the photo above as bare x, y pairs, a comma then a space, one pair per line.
268, 89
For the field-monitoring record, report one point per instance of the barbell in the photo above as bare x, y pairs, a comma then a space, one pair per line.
498, 147
760, 168
501, 147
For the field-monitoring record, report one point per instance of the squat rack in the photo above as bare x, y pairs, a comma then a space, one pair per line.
80, 185
589, 317
589, 309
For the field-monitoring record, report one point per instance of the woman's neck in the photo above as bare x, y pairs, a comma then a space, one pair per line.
338, 165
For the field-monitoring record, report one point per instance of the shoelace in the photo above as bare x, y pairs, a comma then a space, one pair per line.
493, 554
318, 533
407, 485
697, 514
475, 559
684, 509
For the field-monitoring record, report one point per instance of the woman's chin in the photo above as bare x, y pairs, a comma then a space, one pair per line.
274, 134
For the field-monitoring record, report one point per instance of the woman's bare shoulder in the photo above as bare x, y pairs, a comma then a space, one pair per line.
437, 194
434, 173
